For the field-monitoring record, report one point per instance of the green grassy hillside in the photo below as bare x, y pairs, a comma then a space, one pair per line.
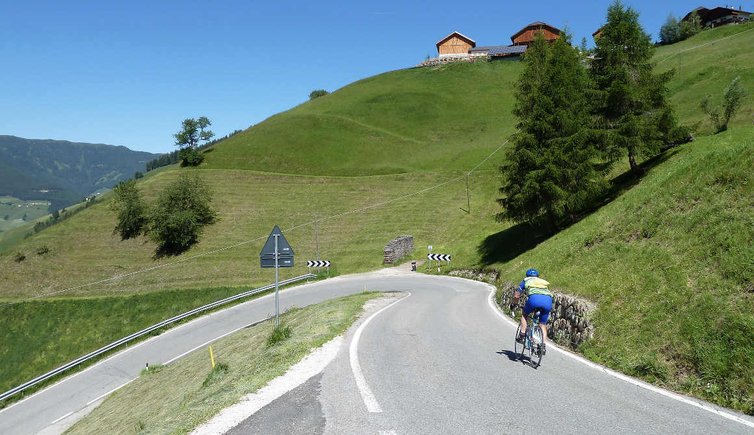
679, 308
422, 119
704, 65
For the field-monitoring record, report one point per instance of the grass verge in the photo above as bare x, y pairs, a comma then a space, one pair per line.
184, 394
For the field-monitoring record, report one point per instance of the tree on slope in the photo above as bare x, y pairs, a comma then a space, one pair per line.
552, 170
181, 212
129, 206
670, 32
631, 100
193, 131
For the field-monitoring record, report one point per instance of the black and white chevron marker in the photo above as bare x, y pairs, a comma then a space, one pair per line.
438, 257
317, 263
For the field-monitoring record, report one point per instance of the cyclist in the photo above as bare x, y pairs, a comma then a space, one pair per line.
540, 298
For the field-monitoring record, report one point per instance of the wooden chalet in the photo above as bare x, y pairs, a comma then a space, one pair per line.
596, 35
526, 35
454, 45
719, 16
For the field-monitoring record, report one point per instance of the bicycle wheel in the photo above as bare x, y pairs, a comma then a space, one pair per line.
535, 355
518, 348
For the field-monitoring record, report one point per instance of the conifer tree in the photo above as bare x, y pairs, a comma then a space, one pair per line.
551, 171
630, 101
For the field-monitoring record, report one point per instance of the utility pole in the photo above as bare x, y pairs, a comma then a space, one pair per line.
468, 198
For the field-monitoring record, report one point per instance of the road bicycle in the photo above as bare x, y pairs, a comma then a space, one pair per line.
533, 342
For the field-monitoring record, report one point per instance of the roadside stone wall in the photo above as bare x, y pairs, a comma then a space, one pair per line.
398, 248
570, 319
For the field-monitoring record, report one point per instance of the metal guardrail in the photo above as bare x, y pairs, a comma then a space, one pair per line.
135, 335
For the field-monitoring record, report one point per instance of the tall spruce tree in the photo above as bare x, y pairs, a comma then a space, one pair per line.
631, 100
552, 169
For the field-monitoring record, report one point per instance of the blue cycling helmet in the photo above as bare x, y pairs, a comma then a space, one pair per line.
532, 272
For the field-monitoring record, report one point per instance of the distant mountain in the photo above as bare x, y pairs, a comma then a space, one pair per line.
63, 172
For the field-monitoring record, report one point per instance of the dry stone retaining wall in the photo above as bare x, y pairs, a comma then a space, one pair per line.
570, 319
398, 248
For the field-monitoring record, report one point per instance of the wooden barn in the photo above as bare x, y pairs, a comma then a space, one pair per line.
526, 35
719, 16
454, 45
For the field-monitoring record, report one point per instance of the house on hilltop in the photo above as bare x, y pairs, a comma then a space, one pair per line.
526, 35
455, 45
459, 47
719, 16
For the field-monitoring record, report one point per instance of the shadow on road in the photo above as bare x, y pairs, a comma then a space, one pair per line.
513, 356
509, 353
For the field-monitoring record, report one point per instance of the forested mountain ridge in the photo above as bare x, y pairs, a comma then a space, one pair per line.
63, 172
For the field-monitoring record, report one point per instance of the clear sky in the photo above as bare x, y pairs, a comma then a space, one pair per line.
128, 72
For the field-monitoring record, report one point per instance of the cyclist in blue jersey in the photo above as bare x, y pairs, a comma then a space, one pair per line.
540, 298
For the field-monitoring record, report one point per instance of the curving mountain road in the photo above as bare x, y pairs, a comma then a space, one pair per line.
437, 361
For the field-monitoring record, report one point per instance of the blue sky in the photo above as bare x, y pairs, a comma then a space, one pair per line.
128, 73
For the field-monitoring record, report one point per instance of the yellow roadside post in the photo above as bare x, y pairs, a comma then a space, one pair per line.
212, 357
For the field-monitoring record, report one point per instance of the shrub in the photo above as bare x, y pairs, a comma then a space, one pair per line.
691, 27
42, 250
190, 157
317, 93
732, 100
19, 257
182, 210
127, 203
218, 372
279, 334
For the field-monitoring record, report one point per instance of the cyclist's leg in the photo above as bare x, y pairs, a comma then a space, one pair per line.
528, 308
544, 304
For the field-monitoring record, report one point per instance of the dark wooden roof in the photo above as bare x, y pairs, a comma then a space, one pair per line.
708, 15
537, 25
458, 34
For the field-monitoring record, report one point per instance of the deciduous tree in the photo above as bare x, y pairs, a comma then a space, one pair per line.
132, 213
193, 131
181, 212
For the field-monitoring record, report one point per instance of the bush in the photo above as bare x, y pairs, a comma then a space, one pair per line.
317, 93
279, 334
19, 257
217, 373
127, 202
182, 210
732, 100
42, 250
190, 157
691, 27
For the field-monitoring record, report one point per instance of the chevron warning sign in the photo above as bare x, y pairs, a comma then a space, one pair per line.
438, 257
317, 263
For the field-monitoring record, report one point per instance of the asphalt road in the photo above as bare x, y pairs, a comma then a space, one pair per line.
438, 361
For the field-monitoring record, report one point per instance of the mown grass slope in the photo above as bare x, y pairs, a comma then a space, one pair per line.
421, 119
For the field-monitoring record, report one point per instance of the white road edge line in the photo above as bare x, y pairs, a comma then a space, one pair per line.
623, 377
62, 418
366, 393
